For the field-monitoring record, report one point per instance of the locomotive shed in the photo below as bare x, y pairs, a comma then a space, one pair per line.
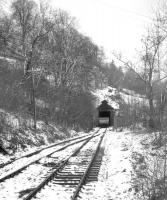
105, 114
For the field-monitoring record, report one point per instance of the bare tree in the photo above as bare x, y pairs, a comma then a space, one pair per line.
148, 69
23, 35
58, 61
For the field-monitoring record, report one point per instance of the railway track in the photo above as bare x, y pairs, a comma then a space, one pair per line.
21, 164
81, 166
43, 168
39, 150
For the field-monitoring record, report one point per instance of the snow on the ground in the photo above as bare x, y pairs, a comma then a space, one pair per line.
18, 137
114, 96
125, 154
107, 94
27, 160
15, 188
132, 98
65, 191
114, 180
148, 161
31, 148
116, 175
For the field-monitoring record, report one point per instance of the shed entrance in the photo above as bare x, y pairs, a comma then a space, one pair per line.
106, 114
104, 117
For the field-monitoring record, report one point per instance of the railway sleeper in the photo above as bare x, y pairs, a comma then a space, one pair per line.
73, 171
91, 180
97, 162
70, 166
62, 171
93, 173
91, 177
69, 173
76, 163
69, 176
92, 168
66, 183
67, 180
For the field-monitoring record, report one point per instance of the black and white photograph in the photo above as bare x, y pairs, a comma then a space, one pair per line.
83, 100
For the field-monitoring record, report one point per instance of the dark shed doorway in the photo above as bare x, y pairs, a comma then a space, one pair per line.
105, 114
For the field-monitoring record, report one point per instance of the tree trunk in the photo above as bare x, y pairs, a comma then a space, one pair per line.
151, 110
33, 101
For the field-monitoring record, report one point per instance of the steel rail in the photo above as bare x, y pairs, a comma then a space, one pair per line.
53, 174
38, 151
82, 181
12, 174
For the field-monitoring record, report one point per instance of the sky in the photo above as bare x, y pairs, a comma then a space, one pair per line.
115, 25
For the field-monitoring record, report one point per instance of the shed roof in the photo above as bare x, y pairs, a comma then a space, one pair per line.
104, 106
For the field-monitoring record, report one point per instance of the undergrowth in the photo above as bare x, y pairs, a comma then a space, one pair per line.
149, 166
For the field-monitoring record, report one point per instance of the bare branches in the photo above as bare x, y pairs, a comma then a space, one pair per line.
130, 66
39, 39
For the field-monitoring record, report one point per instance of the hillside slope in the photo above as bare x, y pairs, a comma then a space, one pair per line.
115, 97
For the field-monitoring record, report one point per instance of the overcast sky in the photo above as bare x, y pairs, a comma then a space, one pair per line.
113, 24
116, 25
